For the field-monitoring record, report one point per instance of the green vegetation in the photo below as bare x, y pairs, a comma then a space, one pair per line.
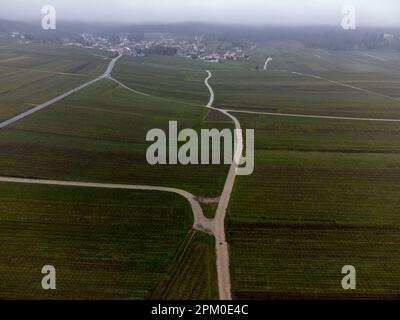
192, 275
306, 134
276, 91
325, 194
32, 74
209, 209
105, 244
283, 261
168, 77
99, 134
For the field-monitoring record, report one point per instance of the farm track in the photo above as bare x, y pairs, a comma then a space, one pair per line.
267, 62
50, 102
216, 226
312, 116
322, 116
222, 250
127, 88
200, 222
339, 84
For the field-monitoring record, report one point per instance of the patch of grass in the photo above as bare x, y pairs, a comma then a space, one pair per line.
32, 74
209, 209
105, 244
173, 78
192, 274
99, 134
275, 91
324, 194
275, 261
302, 134
320, 188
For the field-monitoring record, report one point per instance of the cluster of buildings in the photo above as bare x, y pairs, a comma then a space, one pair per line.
118, 44
22, 38
90, 41
235, 54
193, 49
198, 50
140, 47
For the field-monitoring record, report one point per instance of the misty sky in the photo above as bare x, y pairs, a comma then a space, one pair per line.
369, 12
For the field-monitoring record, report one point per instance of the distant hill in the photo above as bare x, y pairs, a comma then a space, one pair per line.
14, 26
323, 37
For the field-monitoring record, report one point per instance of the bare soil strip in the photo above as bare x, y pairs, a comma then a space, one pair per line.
312, 116
200, 222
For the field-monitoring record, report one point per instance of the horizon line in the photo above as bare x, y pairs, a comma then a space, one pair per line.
199, 22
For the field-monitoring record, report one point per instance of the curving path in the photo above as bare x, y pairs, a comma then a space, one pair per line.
200, 222
222, 250
216, 226
127, 88
267, 62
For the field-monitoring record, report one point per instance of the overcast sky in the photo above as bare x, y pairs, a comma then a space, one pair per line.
369, 12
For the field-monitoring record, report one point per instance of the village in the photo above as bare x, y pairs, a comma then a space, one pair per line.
139, 46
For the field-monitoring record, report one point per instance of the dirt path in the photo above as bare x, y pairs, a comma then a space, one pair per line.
200, 222
373, 57
222, 249
340, 84
266, 63
312, 116
50, 102
127, 88
216, 226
